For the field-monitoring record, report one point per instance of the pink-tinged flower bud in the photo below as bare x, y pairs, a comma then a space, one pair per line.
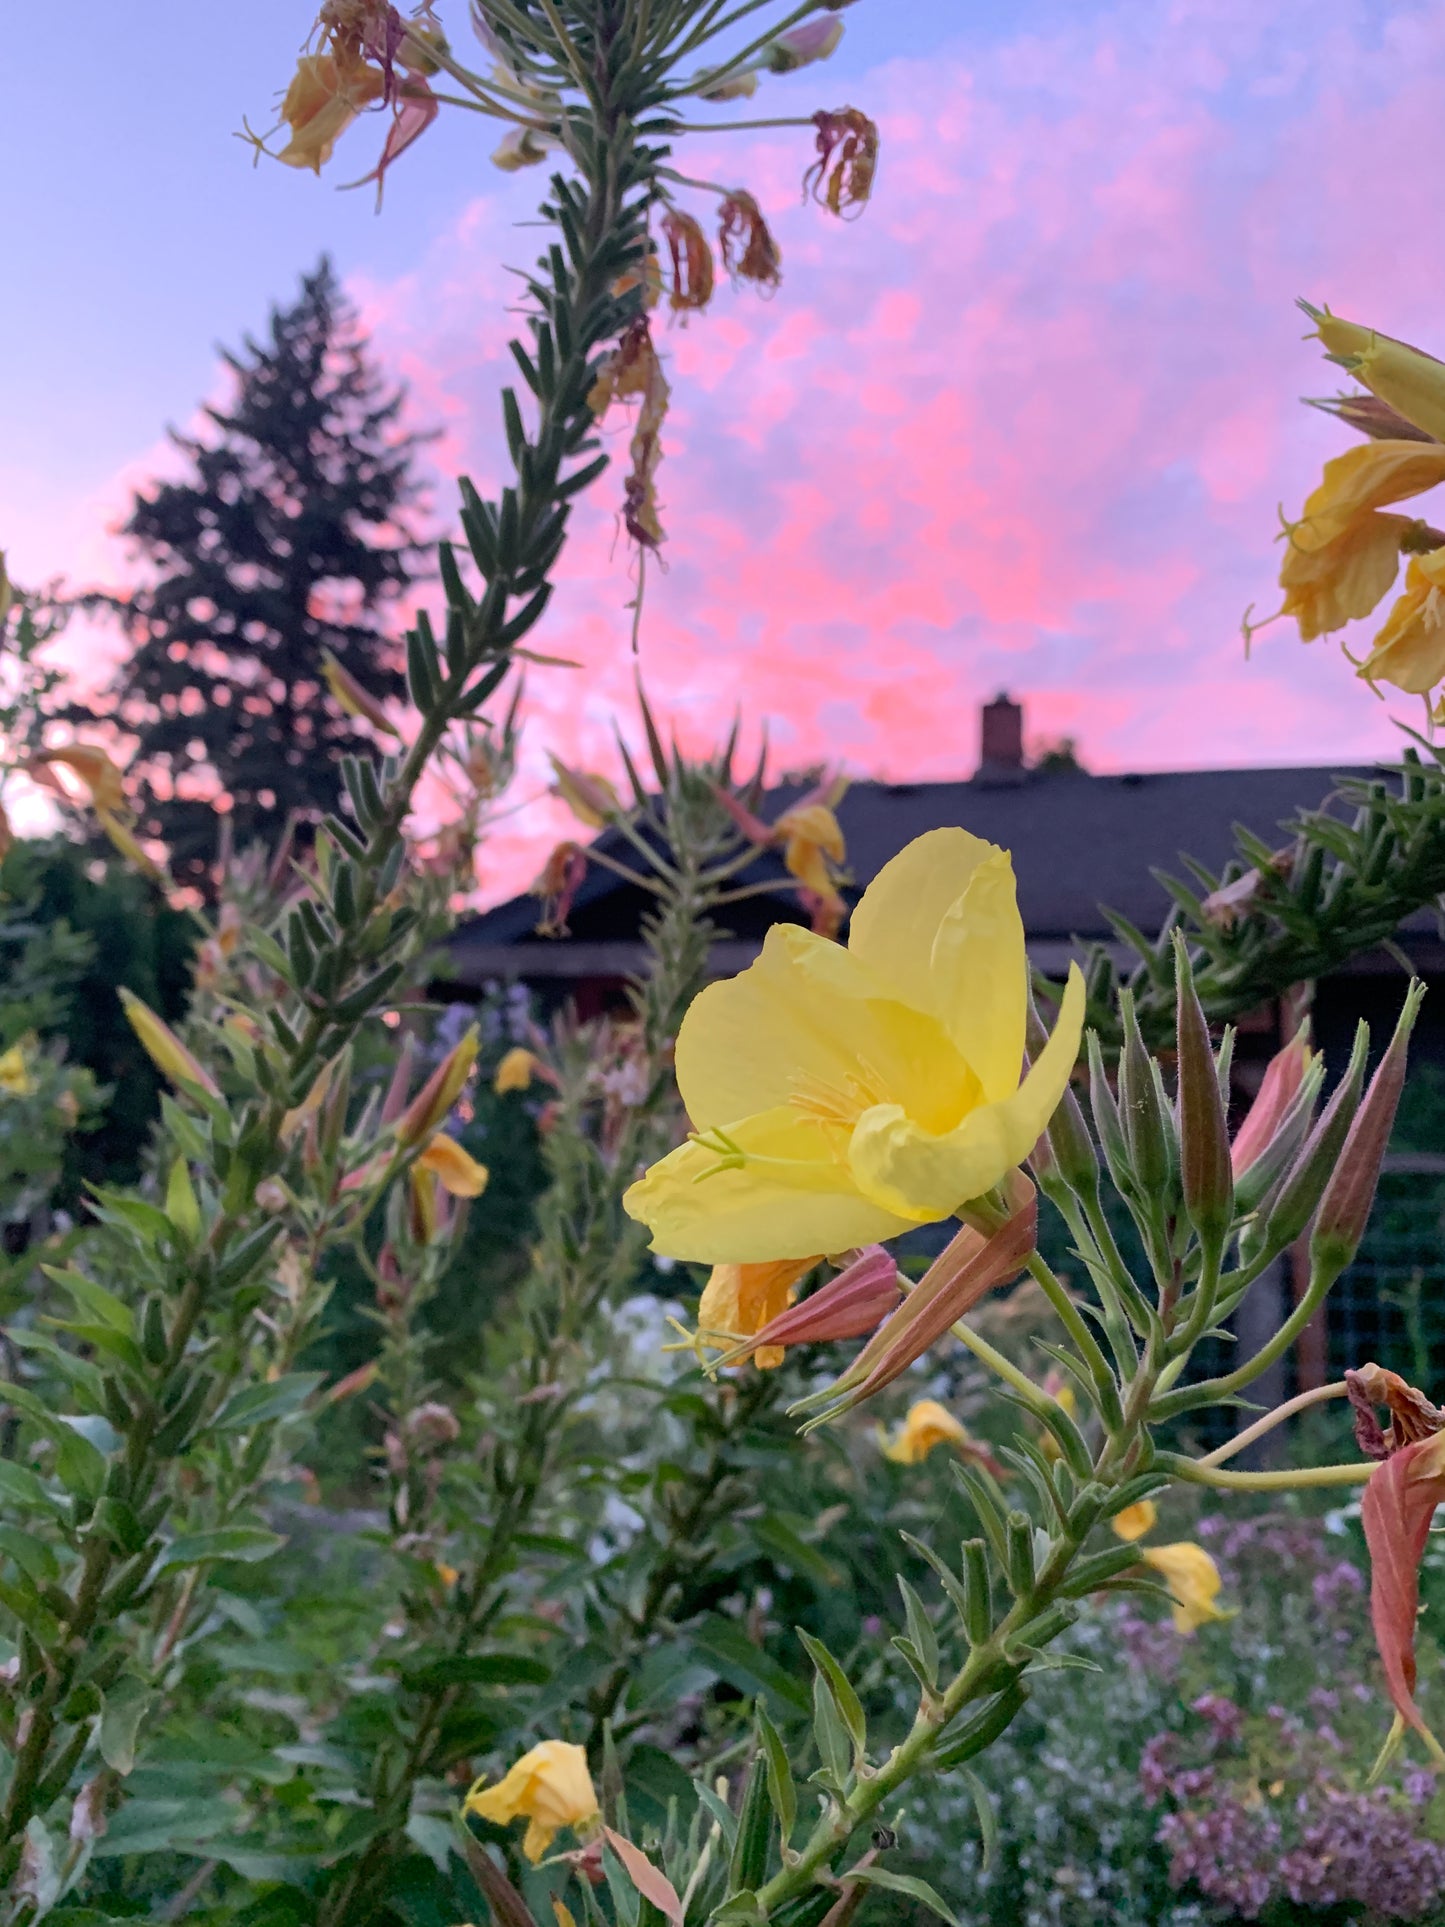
1204, 1169
971, 1266
752, 827
1350, 1193
355, 700
1293, 1204
591, 798
1370, 416
800, 46
164, 1048
429, 1108
1283, 1079
849, 1306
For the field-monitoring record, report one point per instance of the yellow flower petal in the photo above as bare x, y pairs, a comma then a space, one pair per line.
893, 928
791, 1200
739, 1300
14, 1074
928, 1424
1369, 476
1135, 1520
980, 972
550, 1786
1345, 579
514, 1073
1409, 651
456, 1170
1411, 382
1193, 1581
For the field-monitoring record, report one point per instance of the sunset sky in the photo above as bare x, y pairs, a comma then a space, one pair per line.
1026, 424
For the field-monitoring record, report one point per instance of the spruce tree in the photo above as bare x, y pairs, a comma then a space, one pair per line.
289, 540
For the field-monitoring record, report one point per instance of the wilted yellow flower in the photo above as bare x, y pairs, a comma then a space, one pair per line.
1193, 1581
550, 1787
1344, 579
164, 1048
1409, 651
455, 1169
520, 147
842, 176
927, 1424
738, 1300
441, 1090
515, 1071
840, 1096
355, 700
748, 249
692, 263
1135, 1520
1408, 380
103, 782
15, 1073
326, 94
812, 841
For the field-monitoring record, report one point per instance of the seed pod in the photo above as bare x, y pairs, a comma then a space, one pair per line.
978, 1592
154, 1343
1147, 1127
1344, 1209
1302, 1189
1206, 1178
1020, 1553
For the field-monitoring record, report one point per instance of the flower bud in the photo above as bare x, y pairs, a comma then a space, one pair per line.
1350, 1193
1410, 382
800, 46
1066, 1149
520, 147
591, 799
1107, 1121
164, 1048
1283, 1080
849, 1306
1205, 1175
740, 86
355, 700
1295, 1201
1147, 1126
434, 1100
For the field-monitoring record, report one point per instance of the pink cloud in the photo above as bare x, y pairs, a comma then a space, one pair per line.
1024, 424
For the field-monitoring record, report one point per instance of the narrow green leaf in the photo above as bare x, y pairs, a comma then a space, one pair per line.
781, 1788
125, 1708
255, 1404
247, 1544
987, 1819
905, 1883
849, 1705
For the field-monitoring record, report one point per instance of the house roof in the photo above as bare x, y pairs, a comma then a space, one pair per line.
1078, 841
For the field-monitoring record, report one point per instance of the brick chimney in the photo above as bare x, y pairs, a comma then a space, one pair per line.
1001, 739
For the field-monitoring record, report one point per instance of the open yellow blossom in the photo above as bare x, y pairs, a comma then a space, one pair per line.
1409, 651
739, 1300
515, 1072
550, 1787
456, 1170
840, 1096
927, 1424
1368, 476
15, 1073
1193, 1581
1135, 1520
1410, 382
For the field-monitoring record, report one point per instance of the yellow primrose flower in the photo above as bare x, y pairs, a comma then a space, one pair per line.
515, 1071
550, 1787
456, 1170
739, 1300
325, 96
14, 1073
1135, 1520
1345, 578
1409, 651
841, 1095
1410, 382
1193, 1581
926, 1425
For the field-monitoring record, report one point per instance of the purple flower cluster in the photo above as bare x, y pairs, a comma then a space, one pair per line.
1246, 1838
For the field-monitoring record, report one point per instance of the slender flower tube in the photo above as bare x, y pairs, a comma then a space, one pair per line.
851, 1305
739, 1301
841, 1095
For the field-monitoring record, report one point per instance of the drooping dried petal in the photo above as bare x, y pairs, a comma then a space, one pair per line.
692, 263
1396, 1510
1412, 1416
749, 252
842, 176
562, 877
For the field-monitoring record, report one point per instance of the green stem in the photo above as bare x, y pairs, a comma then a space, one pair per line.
1072, 1319
1196, 1472
1301, 1402
1213, 1391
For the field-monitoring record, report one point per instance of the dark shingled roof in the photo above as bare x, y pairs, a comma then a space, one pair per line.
1077, 840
